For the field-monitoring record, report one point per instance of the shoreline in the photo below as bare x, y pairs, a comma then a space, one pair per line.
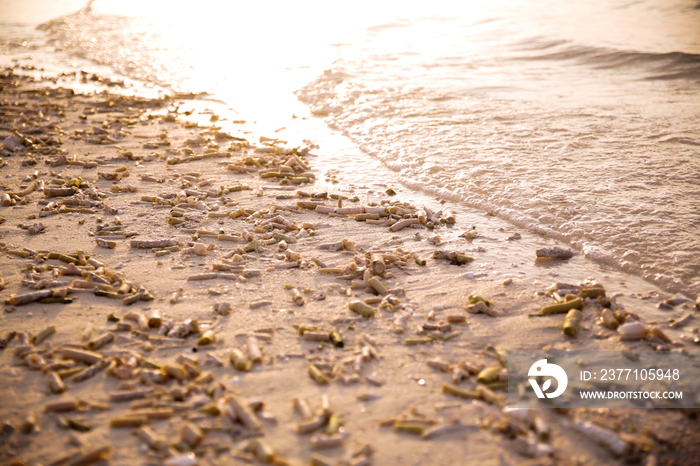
170, 161
342, 158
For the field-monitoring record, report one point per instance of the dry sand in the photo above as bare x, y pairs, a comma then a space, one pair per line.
374, 380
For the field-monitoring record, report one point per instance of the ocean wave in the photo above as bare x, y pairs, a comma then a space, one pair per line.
672, 65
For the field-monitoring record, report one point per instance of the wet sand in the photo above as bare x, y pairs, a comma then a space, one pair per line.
113, 168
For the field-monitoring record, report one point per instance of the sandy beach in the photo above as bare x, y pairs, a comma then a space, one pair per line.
174, 294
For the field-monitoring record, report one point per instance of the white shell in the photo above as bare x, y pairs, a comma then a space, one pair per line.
187, 459
631, 331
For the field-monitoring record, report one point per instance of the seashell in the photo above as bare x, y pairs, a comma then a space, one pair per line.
631, 331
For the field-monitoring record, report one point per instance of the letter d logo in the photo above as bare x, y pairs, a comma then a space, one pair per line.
542, 368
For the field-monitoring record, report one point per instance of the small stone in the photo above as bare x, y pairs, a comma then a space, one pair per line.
555, 253
481, 308
664, 307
